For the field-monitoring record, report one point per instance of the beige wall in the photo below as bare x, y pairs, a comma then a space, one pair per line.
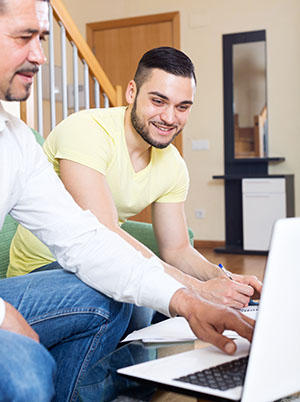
202, 24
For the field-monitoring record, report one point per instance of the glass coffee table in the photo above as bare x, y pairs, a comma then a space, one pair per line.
103, 384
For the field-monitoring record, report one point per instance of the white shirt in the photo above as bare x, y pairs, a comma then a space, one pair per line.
32, 193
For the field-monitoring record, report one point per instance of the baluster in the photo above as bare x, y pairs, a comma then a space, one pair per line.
75, 78
86, 85
96, 92
106, 100
51, 70
63, 70
39, 88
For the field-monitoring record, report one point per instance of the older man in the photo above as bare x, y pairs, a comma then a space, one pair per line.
74, 322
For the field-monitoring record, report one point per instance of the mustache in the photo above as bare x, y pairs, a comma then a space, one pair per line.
27, 69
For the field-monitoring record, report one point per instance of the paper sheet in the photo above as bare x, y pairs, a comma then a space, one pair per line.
177, 329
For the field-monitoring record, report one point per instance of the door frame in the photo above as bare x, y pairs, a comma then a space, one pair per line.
172, 17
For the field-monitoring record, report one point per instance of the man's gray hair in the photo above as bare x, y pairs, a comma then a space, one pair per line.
3, 4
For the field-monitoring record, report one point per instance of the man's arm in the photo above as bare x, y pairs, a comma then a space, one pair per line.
171, 232
90, 190
106, 262
13, 321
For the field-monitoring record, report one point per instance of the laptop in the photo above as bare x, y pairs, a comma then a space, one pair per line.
271, 362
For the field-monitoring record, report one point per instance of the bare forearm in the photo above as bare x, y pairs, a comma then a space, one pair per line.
191, 262
209, 281
176, 273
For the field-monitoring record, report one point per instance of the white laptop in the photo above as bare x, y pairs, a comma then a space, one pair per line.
274, 357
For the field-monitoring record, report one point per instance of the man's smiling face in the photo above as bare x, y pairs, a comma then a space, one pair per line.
23, 24
160, 109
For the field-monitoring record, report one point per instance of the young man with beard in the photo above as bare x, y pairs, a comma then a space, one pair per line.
77, 324
117, 161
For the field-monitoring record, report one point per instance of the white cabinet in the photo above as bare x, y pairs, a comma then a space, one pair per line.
264, 202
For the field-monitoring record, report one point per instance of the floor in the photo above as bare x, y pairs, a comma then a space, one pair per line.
238, 263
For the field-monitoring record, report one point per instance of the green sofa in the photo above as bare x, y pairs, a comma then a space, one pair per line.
140, 230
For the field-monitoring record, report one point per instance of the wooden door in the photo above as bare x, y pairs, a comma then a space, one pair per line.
119, 45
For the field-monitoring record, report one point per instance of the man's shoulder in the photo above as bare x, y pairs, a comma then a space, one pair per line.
15, 130
110, 120
100, 114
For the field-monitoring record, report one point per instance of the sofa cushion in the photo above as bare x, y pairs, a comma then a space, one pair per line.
6, 235
145, 234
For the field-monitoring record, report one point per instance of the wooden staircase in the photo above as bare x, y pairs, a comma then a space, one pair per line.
99, 91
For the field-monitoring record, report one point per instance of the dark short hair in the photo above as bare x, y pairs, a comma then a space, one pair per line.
4, 2
165, 58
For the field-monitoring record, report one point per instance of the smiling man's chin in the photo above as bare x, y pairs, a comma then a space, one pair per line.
161, 144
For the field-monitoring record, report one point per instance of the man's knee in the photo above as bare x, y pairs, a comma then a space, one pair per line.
83, 297
26, 369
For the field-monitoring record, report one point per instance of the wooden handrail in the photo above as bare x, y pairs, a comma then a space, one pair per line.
73, 34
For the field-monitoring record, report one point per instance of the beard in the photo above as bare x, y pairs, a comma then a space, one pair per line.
11, 98
9, 94
143, 131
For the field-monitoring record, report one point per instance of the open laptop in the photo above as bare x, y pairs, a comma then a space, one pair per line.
272, 371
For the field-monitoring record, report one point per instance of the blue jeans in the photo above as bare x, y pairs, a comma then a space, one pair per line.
77, 324
141, 317
26, 369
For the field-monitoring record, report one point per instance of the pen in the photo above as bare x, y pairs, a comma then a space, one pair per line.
225, 271
251, 302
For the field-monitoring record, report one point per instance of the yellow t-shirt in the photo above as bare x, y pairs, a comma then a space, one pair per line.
95, 138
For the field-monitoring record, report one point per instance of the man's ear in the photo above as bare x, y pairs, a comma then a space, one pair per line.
130, 93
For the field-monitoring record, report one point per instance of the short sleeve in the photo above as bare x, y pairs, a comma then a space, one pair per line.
178, 180
83, 139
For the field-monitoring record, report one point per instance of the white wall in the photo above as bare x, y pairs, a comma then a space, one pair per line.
202, 24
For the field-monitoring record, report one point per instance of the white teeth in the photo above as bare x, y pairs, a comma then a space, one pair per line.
162, 128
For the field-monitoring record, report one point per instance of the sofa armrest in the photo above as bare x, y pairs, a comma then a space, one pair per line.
6, 234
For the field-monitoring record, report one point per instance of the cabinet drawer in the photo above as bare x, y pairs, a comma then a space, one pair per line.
263, 185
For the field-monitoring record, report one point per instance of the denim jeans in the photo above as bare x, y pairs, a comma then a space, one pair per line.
77, 324
141, 317
26, 369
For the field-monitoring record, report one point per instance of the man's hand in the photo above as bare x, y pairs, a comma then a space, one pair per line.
208, 320
15, 322
249, 280
224, 291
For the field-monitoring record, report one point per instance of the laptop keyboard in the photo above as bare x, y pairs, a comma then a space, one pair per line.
222, 377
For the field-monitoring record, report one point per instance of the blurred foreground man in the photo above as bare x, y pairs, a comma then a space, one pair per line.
78, 324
